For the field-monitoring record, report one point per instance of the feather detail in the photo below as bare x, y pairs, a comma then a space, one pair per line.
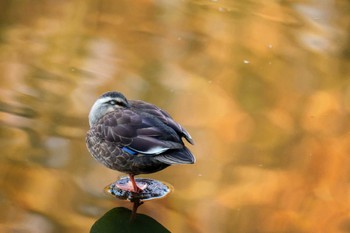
144, 134
127, 150
183, 156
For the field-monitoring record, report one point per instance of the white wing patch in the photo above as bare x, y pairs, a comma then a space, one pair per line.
154, 150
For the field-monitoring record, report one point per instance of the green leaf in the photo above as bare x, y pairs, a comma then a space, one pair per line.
119, 220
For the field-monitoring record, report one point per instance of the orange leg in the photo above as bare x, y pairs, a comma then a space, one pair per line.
134, 185
131, 186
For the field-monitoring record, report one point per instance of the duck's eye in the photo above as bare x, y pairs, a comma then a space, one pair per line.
117, 102
112, 102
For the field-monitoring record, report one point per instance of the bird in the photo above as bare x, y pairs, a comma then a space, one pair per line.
135, 137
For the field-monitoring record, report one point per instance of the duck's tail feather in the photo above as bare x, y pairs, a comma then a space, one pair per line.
182, 156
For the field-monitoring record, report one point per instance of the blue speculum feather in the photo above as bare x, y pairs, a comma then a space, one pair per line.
127, 150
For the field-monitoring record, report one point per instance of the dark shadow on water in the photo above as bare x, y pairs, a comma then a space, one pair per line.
121, 219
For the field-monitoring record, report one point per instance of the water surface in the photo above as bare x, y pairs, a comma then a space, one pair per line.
262, 86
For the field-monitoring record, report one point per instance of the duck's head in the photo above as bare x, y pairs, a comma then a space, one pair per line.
108, 102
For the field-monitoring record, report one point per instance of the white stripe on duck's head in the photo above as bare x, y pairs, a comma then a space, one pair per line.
108, 102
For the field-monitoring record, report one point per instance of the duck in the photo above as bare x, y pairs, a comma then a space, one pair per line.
135, 137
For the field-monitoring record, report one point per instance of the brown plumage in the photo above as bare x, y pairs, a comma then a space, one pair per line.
135, 137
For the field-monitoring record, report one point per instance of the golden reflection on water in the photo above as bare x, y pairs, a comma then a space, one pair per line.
261, 86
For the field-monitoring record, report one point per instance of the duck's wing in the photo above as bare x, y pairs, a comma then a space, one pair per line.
162, 116
142, 134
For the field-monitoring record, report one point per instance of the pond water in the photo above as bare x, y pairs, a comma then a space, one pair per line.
262, 86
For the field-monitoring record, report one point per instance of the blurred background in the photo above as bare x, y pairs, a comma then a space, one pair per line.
262, 86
